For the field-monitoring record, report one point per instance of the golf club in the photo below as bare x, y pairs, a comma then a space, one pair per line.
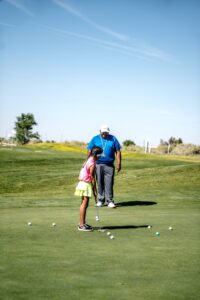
97, 214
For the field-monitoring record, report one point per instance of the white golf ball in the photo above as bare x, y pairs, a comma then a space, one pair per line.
108, 233
53, 224
97, 218
101, 230
149, 226
170, 228
112, 237
29, 223
157, 233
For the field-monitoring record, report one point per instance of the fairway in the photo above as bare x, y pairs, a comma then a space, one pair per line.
58, 262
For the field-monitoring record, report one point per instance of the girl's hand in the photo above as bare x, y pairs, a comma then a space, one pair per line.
95, 196
94, 193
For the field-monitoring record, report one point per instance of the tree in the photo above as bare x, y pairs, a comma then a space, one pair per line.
127, 143
174, 141
23, 128
162, 142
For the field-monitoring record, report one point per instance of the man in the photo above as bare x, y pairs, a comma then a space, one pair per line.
105, 168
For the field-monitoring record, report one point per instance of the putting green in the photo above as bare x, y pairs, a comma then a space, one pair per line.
59, 262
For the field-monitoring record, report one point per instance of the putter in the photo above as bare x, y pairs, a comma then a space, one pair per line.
98, 220
97, 214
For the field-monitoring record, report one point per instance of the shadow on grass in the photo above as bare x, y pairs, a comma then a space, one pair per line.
135, 203
124, 227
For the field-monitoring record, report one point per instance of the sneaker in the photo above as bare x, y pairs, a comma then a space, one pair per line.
111, 205
88, 226
99, 204
85, 227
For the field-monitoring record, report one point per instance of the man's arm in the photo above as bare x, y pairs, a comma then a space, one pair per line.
118, 159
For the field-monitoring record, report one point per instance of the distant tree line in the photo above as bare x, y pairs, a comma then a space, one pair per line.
24, 134
171, 146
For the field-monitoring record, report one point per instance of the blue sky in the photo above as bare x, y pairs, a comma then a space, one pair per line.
132, 64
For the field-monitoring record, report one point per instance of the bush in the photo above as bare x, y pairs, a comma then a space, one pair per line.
76, 143
133, 148
161, 149
186, 149
128, 143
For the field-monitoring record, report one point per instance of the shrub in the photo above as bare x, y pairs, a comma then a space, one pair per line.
127, 143
133, 148
161, 149
186, 149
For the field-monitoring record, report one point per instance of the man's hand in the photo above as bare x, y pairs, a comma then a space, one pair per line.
118, 168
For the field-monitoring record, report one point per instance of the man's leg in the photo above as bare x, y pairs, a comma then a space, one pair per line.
100, 183
109, 172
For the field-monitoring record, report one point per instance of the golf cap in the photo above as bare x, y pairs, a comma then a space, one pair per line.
105, 128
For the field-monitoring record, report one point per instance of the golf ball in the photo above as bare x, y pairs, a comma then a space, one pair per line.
101, 230
29, 223
157, 233
112, 237
149, 226
97, 218
53, 224
108, 233
170, 228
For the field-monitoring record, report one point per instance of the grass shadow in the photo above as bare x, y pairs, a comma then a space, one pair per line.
122, 227
135, 203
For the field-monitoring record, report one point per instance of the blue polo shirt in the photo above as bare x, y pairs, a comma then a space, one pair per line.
110, 146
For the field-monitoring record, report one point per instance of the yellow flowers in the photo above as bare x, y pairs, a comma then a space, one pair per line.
60, 147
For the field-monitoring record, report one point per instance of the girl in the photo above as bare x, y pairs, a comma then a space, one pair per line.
86, 185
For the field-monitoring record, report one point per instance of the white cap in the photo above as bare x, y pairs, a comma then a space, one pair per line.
105, 128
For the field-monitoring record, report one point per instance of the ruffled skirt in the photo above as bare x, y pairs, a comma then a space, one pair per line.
83, 189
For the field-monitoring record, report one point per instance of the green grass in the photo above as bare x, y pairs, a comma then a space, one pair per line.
44, 262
